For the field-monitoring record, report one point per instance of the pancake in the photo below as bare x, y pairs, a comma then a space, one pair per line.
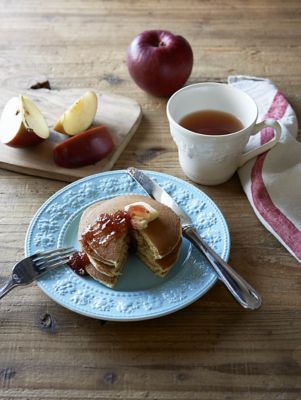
161, 266
157, 245
105, 268
111, 252
154, 234
106, 280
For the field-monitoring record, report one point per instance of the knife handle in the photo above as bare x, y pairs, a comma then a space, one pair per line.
242, 292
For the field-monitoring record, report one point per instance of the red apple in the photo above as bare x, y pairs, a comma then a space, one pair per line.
159, 62
84, 148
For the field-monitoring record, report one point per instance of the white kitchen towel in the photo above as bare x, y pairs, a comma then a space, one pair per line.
272, 181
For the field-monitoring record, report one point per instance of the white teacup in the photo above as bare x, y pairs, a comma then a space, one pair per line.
213, 159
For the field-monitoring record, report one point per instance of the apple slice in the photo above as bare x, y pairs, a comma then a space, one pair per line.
87, 147
79, 116
22, 123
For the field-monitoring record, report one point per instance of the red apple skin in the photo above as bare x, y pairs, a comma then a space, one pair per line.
159, 62
84, 148
24, 138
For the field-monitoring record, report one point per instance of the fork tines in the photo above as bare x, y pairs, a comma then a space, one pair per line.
52, 258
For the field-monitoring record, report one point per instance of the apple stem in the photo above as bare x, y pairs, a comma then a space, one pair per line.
161, 44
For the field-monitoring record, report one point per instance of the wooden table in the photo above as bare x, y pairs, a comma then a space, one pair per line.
212, 349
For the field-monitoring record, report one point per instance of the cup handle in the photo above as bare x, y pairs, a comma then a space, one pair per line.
268, 123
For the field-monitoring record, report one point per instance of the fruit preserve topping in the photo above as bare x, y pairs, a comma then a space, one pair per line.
78, 262
141, 214
107, 227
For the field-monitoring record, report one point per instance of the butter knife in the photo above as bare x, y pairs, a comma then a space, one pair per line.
241, 290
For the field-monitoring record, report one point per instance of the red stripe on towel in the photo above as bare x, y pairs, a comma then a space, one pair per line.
281, 225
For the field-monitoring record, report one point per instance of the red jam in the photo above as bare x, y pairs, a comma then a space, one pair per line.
78, 262
107, 227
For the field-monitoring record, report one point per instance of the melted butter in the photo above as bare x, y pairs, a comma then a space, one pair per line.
141, 214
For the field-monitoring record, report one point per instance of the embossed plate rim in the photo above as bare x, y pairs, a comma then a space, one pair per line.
45, 283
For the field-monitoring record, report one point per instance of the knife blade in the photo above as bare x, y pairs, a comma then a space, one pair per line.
158, 193
241, 290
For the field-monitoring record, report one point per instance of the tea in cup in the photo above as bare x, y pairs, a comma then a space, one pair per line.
211, 124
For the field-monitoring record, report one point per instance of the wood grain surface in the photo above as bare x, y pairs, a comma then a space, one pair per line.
212, 350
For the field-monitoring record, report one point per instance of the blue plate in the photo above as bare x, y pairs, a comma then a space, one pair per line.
139, 294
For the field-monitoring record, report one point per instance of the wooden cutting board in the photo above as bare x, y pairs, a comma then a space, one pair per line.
120, 114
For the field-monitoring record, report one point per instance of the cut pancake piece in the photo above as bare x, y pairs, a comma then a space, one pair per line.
110, 254
161, 266
104, 236
104, 266
106, 280
106, 269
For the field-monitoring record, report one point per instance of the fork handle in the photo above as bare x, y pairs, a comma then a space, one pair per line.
241, 290
8, 286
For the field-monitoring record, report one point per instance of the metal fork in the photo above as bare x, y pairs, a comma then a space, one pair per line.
32, 267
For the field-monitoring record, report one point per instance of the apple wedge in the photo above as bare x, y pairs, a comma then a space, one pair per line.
79, 116
22, 123
86, 148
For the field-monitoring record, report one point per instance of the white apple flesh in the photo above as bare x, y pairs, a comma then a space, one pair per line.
79, 116
22, 123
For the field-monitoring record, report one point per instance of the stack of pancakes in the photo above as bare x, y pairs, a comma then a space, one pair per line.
157, 245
